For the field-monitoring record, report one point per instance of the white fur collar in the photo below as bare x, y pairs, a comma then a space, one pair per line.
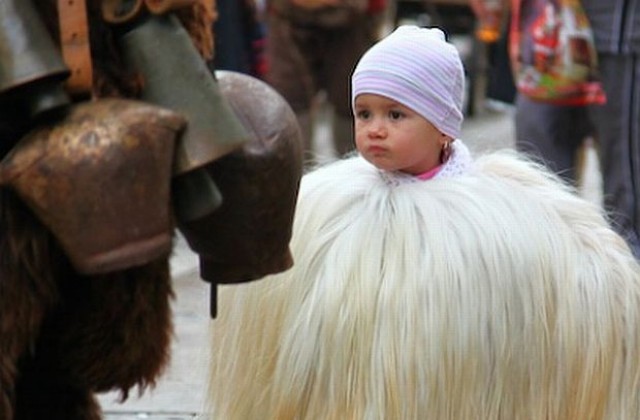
460, 162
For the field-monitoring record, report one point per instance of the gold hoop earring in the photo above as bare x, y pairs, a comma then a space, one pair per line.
445, 153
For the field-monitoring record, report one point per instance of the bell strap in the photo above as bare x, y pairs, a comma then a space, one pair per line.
126, 11
159, 7
75, 45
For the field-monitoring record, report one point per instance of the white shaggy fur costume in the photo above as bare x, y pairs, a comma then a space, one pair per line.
495, 294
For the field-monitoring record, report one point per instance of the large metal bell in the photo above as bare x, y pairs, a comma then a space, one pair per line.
248, 237
99, 180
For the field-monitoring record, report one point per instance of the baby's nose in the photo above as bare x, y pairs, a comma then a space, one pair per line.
377, 128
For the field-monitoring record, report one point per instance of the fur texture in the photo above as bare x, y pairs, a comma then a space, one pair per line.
63, 336
494, 295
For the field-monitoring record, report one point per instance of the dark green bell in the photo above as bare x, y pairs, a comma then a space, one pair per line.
176, 77
31, 68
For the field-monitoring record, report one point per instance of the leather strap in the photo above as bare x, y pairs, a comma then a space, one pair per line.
75, 45
159, 7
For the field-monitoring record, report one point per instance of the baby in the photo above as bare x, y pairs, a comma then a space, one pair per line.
407, 94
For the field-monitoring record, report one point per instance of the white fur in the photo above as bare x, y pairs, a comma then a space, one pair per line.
495, 295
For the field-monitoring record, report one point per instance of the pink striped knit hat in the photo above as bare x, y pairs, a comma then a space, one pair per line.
418, 68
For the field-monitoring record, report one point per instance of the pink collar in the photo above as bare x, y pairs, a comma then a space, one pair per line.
429, 174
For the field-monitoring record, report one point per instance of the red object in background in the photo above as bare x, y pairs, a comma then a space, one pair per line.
376, 6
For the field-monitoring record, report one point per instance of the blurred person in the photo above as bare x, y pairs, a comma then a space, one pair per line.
312, 46
616, 28
500, 84
549, 132
556, 132
240, 37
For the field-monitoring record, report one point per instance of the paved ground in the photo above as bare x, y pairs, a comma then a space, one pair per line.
180, 393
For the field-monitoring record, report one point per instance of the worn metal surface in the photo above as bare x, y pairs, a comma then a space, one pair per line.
100, 181
248, 237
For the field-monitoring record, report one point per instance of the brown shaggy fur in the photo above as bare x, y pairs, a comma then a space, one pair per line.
64, 336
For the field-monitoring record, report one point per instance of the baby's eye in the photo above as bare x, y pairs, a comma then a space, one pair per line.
395, 115
363, 114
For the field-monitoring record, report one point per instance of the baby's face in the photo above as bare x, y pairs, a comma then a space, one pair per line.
395, 138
